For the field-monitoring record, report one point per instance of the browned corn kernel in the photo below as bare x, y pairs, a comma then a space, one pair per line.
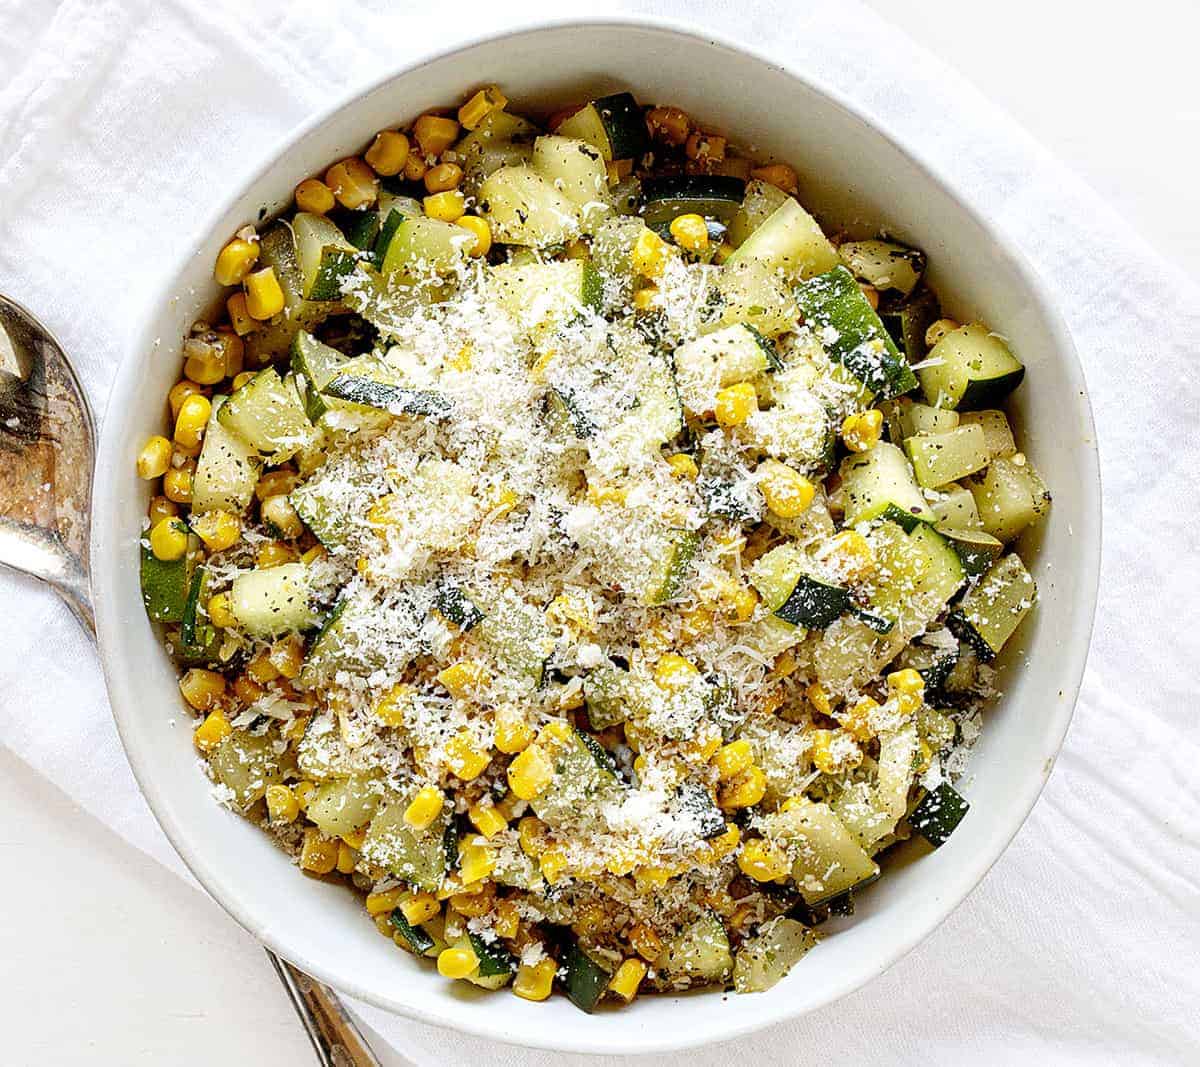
669, 124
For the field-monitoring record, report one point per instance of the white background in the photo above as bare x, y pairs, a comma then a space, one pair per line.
107, 958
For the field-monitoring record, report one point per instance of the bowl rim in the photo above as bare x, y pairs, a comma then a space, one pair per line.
627, 1041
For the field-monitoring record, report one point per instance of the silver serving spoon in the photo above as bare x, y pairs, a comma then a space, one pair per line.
47, 457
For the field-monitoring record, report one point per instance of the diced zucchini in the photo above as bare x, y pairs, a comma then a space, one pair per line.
613, 124
543, 296
884, 264
606, 694
496, 964
970, 368
420, 247
323, 754
670, 568
695, 804
699, 954
576, 170
881, 484
871, 810
718, 359
976, 549
268, 413
277, 249
416, 856
996, 431
271, 601
191, 607
326, 258
767, 957
582, 783
991, 611
1009, 497
500, 140
712, 196
339, 646
524, 208
827, 860
246, 765
455, 606
385, 396
906, 418
165, 586
945, 457
910, 321
791, 241
316, 364
584, 980
518, 635
921, 572
755, 294
227, 470
798, 597
836, 310
956, 508
417, 939
758, 204
933, 663
343, 806
938, 814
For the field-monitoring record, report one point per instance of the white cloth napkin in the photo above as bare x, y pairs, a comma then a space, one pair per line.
122, 122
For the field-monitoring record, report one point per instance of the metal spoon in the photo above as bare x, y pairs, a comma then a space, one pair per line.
47, 457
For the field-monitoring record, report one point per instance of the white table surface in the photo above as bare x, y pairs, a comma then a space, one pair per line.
105, 958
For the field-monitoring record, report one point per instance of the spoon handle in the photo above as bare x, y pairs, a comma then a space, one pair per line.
335, 1037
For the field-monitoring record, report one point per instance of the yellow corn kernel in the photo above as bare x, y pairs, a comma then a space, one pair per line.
212, 731
264, 297
352, 183
627, 979
787, 492
239, 316
690, 232
554, 733
277, 512
168, 539
318, 854
218, 529
282, 804
506, 919
821, 753
234, 261
276, 483
530, 773
180, 391
742, 602
314, 196
419, 908
818, 698
388, 153
287, 655
476, 862
552, 863
486, 819
273, 553
304, 790
434, 134
705, 147
464, 679
347, 858
530, 831
695, 623
534, 981
669, 124
482, 231
572, 611
394, 705
860, 431
763, 861
482, 104
651, 878
851, 554
606, 494
736, 404
155, 458
724, 845
177, 485
219, 613
683, 466
617, 170
478, 898
354, 838
415, 168
242, 378
448, 206
204, 362
384, 902
512, 733
733, 758
924, 758
779, 175
161, 508
650, 253
673, 672
463, 757
744, 791
444, 178
645, 299
907, 691
645, 942
939, 330
424, 808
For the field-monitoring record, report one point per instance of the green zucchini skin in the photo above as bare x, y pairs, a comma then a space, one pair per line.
832, 302
876, 622
394, 399
493, 959
585, 980
714, 196
187, 629
336, 266
165, 586
418, 940
456, 606
813, 604
938, 814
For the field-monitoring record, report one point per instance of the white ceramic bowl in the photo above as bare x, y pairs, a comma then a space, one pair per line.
854, 176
